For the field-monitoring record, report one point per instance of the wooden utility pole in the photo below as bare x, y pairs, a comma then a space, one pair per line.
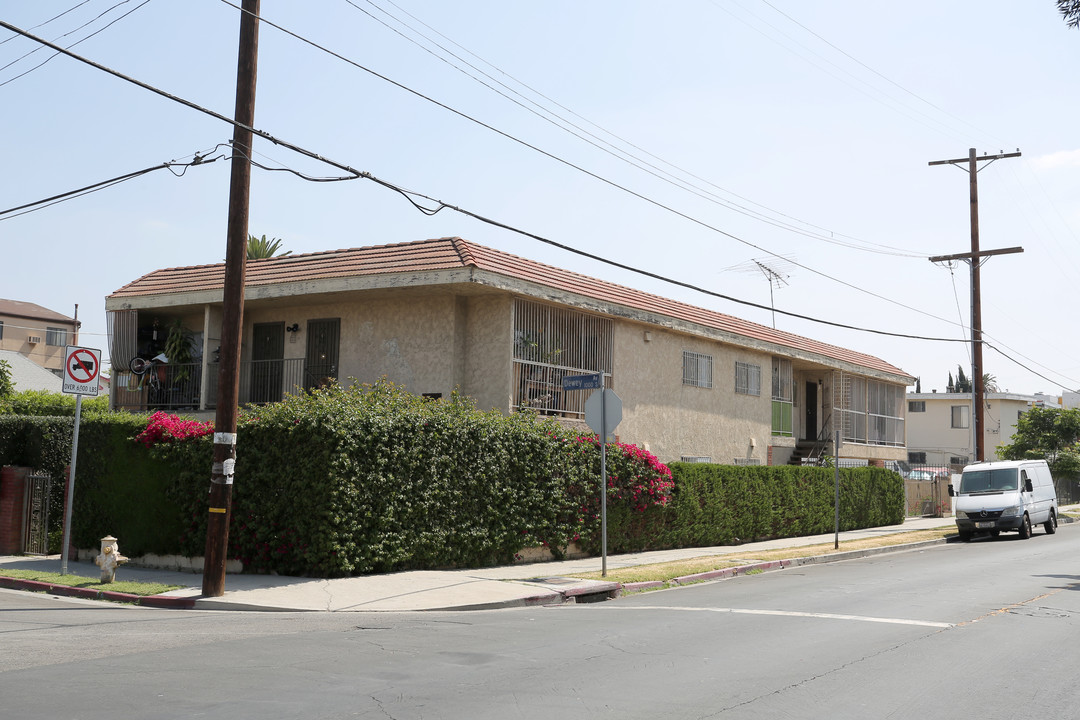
221, 474
974, 259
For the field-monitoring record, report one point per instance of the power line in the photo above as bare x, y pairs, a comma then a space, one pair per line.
123, 2
369, 176
71, 194
43, 24
550, 155
621, 154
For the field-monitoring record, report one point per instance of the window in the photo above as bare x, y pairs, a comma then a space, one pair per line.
696, 369
747, 461
870, 412
747, 379
695, 459
782, 397
916, 406
958, 460
1, 329
550, 343
55, 336
916, 458
961, 415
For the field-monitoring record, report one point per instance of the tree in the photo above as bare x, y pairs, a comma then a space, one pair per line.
1047, 433
1070, 10
7, 387
259, 248
990, 383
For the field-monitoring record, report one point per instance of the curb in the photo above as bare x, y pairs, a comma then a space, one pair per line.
754, 568
158, 601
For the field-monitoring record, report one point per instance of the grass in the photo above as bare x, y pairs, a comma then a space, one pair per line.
122, 586
665, 572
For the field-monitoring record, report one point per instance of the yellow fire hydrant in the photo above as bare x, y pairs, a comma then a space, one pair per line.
109, 559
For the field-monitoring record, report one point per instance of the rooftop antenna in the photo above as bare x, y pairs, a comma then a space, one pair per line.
773, 272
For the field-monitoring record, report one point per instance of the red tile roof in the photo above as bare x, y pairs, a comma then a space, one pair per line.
456, 254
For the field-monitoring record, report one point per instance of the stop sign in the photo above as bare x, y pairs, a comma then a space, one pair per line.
603, 412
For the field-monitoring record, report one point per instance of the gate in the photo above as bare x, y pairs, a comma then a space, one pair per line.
37, 514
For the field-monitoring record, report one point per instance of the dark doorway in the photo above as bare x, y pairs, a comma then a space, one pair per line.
267, 355
810, 413
321, 368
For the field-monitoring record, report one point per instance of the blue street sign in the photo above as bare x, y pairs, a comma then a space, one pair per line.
581, 382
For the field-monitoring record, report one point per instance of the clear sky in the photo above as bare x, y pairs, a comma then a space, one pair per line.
703, 135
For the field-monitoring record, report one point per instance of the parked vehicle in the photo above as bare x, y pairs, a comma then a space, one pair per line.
1007, 496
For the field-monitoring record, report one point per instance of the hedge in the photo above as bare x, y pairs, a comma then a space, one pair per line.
366, 479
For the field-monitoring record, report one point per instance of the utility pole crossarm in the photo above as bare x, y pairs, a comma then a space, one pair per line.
980, 254
959, 161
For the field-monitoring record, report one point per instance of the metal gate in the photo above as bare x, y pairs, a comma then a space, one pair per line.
37, 514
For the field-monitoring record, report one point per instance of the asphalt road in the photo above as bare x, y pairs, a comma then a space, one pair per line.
984, 629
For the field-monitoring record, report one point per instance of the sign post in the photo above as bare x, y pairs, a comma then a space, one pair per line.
603, 413
82, 367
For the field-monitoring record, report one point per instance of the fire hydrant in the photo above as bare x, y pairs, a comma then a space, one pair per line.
109, 559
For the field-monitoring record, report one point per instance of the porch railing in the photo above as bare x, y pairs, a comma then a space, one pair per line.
178, 388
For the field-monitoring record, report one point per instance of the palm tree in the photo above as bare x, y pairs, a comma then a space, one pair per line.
261, 248
990, 383
1070, 11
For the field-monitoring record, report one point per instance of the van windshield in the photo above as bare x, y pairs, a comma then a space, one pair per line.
996, 480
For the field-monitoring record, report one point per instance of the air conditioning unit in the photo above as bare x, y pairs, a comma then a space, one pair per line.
33, 339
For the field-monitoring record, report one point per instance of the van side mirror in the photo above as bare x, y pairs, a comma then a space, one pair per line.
1027, 486
952, 490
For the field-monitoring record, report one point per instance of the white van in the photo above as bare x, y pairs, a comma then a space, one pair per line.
1010, 496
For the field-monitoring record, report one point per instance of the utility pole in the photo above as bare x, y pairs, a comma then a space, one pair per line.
974, 260
221, 475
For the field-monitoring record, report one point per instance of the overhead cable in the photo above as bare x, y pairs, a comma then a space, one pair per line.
369, 176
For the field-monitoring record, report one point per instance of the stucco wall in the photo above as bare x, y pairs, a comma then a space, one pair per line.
675, 420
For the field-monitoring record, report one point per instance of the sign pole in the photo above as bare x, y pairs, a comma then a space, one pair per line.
836, 500
603, 478
82, 366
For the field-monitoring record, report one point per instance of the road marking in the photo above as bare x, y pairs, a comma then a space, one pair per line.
790, 613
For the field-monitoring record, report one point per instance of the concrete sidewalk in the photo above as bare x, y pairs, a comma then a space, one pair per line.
497, 587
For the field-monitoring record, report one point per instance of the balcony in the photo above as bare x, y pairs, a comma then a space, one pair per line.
179, 388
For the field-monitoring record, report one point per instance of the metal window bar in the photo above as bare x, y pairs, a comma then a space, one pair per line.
747, 378
697, 369
551, 343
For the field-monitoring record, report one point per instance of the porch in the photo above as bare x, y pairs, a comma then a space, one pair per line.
181, 387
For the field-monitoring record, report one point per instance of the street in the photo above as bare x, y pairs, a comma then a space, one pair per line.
982, 628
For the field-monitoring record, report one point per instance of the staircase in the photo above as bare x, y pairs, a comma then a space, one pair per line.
806, 449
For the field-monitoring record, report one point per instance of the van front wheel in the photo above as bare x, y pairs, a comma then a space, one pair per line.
1050, 526
1025, 528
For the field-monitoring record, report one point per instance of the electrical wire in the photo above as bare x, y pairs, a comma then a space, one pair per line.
508, 136
122, 2
86, 190
43, 24
623, 155
369, 176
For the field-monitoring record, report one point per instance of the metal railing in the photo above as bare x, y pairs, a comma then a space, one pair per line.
178, 388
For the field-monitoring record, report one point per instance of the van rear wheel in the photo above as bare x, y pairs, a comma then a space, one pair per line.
1050, 526
1025, 528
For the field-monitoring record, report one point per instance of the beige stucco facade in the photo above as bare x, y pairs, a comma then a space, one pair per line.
931, 429
449, 330
36, 333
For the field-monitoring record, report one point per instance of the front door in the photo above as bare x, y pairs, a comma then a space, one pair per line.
321, 367
810, 413
267, 354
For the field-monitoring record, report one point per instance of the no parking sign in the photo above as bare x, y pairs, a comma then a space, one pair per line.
82, 367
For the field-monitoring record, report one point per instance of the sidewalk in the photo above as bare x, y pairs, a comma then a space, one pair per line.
474, 589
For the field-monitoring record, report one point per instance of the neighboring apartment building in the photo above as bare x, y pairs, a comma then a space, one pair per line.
446, 314
36, 333
939, 425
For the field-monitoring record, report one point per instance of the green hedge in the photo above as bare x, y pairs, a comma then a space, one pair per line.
371, 479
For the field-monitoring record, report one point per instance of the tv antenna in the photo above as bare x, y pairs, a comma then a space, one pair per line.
773, 272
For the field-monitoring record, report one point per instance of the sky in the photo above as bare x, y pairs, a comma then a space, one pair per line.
691, 139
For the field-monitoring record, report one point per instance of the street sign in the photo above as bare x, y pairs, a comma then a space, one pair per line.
603, 412
82, 368
582, 382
